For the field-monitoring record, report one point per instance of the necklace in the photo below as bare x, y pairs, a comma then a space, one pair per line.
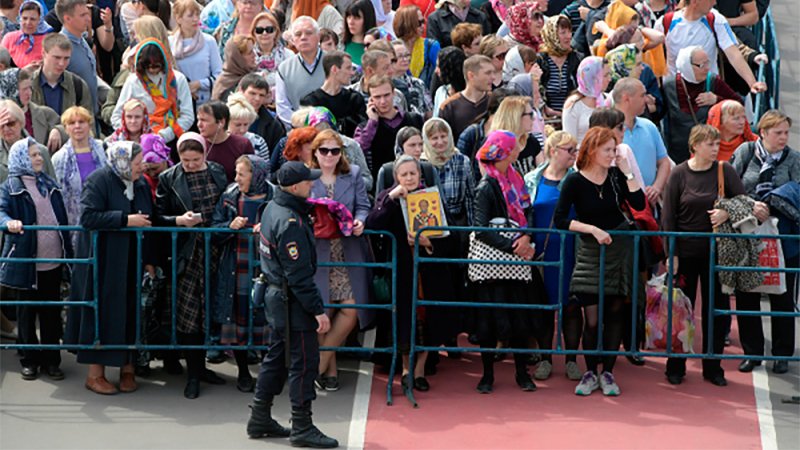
599, 190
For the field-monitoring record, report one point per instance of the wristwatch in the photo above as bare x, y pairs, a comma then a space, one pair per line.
628, 176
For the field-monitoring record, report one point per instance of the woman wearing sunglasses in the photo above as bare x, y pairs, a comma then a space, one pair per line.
196, 53
270, 49
342, 183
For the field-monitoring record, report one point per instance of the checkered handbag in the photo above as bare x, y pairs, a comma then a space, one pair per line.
494, 272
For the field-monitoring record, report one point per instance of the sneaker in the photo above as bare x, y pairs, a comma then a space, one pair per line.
331, 384
588, 384
608, 385
319, 383
573, 371
543, 370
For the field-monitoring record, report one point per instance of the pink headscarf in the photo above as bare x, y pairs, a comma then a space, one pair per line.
590, 78
498, 146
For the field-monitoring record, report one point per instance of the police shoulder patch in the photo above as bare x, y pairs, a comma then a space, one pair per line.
291, 250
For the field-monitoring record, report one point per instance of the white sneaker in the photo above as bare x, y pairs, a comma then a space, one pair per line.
588, 384
543, 370
608, 385
573, 372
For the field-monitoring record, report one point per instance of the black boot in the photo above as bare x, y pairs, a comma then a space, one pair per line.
305, 434
261, 423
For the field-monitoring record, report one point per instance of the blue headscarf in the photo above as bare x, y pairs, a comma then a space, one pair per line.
258, 183
41, 28
19, 164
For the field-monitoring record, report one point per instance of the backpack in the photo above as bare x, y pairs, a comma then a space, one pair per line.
709, 18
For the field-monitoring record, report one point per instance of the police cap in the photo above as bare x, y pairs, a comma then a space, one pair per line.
293, 172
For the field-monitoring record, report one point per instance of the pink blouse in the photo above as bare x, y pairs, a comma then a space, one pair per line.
17, 50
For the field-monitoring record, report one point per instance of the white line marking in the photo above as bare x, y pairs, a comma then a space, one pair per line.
766, 422
358, 420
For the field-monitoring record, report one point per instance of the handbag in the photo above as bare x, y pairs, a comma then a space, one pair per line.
325, 225
494, 272
657, 314
771, 256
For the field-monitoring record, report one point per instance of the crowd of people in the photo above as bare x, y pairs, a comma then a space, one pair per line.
578, 116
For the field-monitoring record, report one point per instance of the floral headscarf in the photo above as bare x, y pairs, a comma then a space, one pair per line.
428, 152
622, 61
684, 64
498, 146
550, 42
121, 133
154, 150
258, 183
519, 24
41, 28
9, 84
119, 156
590, 78
19, 164
164, 96
320, 114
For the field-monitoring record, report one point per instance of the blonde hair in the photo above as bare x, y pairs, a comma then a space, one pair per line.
299, 117
181, 7
509, 117
147, 27
490, 43
240, 108
134, 103
558, 139
702, 133
74, 113
730, 108
772, 119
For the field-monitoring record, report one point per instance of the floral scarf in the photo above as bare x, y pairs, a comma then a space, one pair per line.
320, 114
258, 183
121, 133
621, 60
498, 146
69, 177
550, 42
9, 84
590, 78
519, 24
164, 93
154, 149
118, 157
428, 152
343, 216
19, 164
41, 28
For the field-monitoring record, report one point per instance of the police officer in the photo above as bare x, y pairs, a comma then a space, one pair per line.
294, 309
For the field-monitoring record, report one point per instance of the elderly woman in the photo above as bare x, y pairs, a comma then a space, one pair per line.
239, 208
196, 53
689, 95
689, 198
186, 196
515, 114
114, 197
31, 197
525, 25
543, 185
597, 192
270, 49
41, 122
341, 183
770, 169
12, 129
501, 200
240, 24
164, 91
729, 118
239, 61
559, 64
25, 44
242, 116
593, 78
77, 159
409, 25
135, 123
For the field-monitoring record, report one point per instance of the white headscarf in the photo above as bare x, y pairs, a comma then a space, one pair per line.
684, 63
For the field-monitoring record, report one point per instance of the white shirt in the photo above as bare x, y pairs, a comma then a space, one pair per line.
684, 33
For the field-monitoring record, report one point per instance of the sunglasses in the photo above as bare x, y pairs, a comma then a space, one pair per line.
333, 151
262, 30
501, 56
570, 150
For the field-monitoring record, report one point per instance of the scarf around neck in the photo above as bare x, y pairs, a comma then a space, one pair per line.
430, 154
769, 162
182, 50
41, 28
498, 147
19, 165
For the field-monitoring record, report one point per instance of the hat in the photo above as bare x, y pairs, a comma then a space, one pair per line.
192, 136
293, 172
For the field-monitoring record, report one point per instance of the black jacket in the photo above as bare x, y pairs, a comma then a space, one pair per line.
268, 127
289, 258
442, 22
573, 61
490, 203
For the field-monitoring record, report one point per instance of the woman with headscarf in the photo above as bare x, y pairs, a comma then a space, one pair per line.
240, 59
155, 159
525, 23
501, 199
25, 45
41, 122
728, 116
135, 123
593, 78
31, 197
559, 64
239, 208
114, 197
165, 92
455, 177
689, 96
626, 61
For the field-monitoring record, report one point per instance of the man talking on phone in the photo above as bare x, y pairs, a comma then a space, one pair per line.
294, 309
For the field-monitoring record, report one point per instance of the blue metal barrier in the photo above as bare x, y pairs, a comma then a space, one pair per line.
713, 269
769, 73
207, 233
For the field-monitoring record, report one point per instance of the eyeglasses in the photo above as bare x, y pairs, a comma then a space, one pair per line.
262, 30
703, 64
529, 114
155, 67
10, 124
570, 150
333, 151
406, 56
501, 56
420, 22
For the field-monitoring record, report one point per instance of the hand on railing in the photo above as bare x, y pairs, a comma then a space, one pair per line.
758, 86
15, 226
237, 223
761, 58
138, 220
188, 219
602, 237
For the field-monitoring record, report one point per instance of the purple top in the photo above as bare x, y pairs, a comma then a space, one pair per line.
85, 164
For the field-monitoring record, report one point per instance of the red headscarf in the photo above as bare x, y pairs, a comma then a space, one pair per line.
519, 24
726, 148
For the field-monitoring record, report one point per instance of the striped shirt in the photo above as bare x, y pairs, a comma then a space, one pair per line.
557, 88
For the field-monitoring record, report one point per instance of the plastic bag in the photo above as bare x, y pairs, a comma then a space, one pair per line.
771, 255
656, 315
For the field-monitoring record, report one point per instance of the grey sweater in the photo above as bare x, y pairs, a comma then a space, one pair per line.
748, 167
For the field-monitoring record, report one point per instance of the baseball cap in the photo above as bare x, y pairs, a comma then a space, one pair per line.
293, 172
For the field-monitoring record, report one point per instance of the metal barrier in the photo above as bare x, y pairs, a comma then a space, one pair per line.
207, 233
637, 236
769, 73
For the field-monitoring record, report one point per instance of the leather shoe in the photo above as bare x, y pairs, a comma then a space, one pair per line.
748, 365
245, 383
675, 379
127, 382
192, 389
635, 360
99, 385
718, 380
405, 382
421, 384
208, 376
30, 373
780, 367
486, 385
173, 367
525, 383
54, 373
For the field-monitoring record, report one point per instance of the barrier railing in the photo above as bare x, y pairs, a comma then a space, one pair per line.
636, 236
208, 234
769, 73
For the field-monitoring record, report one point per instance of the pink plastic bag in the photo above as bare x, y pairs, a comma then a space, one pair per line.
683, 327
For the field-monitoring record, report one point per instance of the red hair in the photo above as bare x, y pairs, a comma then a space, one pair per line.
296, 140
594, 139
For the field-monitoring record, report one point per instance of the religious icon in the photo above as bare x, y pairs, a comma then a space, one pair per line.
423, 208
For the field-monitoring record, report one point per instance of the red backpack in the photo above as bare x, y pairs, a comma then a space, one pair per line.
709, 18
